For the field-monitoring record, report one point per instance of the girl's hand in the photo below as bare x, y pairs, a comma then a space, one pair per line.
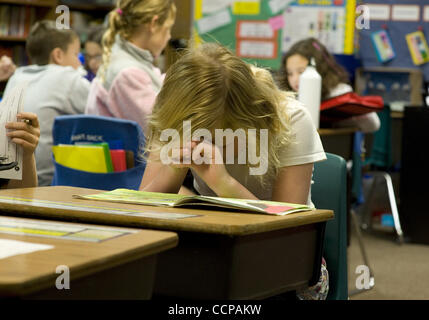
26, 132
206, 160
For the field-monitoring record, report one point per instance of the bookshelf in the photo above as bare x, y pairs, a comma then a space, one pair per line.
34, 3
16, 18
15, 23
13, 38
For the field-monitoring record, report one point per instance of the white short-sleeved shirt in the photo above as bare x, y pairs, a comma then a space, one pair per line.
305, 148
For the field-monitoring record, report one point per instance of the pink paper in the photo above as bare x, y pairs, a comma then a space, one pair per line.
277, 22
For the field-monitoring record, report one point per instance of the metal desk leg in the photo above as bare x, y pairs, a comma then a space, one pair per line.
366, 217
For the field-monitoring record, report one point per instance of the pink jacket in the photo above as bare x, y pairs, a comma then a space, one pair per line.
131, 85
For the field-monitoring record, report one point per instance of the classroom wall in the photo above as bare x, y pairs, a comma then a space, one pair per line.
397, 31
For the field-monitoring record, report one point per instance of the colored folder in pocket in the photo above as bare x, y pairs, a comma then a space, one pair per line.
91, 158
118, 160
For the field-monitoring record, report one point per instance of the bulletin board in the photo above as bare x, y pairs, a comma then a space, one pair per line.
261, 31
396, 19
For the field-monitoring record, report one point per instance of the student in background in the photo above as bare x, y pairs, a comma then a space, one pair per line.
93, 52
55, 87
127, 82
25, 134
7, 68
334, 78
213, 89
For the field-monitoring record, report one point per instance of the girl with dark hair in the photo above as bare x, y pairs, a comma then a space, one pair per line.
334, 78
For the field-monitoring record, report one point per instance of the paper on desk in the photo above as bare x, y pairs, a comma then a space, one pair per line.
9, 248
10, 153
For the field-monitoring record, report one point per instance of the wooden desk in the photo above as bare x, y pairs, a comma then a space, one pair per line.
103, 262
336, 131
397, 114
221, 255
338, 141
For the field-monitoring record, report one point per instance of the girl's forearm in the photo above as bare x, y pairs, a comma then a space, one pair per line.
231, 188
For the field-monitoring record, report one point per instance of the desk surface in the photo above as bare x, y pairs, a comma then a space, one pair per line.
336, 131
397, 114
207, 221
25, 273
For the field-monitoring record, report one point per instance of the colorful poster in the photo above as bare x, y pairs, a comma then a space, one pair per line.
418, 47
330, 21
324, 24
383, 46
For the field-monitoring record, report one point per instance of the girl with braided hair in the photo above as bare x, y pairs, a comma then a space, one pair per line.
127, 82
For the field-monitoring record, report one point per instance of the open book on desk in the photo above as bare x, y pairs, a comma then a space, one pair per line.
176, 200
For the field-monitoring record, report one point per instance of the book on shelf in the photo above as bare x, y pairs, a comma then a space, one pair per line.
16, 21
176, 200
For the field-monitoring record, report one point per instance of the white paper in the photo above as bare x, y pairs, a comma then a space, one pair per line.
10, 153
426, 13
405, 12
278, 5
9, 248
257, 49
211, 6
379, 11
214, 21
250, 29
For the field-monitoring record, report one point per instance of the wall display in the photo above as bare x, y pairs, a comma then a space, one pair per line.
260, 31
383, 46
418, 47
407, 24
331, 22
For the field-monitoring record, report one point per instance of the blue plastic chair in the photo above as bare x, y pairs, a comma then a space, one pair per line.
119, 133
329, 191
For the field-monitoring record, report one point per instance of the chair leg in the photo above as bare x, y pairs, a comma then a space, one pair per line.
364, 255
366, 212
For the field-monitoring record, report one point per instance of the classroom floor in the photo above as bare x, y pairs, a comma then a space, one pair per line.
400, 271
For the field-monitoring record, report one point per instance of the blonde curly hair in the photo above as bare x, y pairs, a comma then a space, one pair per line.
212, 87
